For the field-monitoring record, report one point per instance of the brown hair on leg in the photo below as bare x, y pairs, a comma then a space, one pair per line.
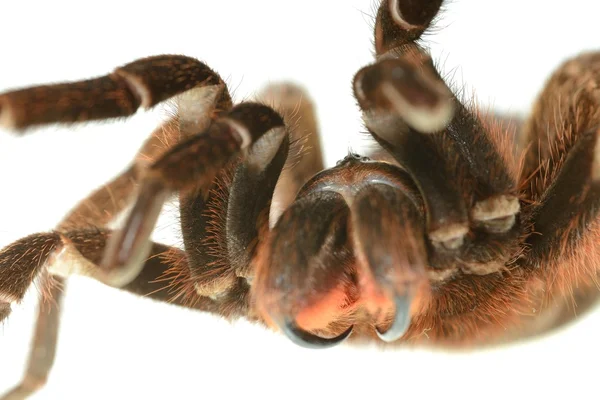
305, 157
568, 106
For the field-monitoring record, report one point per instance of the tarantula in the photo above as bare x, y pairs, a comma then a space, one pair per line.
460, 229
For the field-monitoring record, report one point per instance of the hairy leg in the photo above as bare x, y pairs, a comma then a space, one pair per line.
190, 169
464, 165
165, 276
43, 348
568, 107
141, 83
149, 81
305, 157
556, 182
105, 203
22, 261
561, 182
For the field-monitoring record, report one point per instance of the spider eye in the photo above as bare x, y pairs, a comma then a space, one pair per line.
353, 157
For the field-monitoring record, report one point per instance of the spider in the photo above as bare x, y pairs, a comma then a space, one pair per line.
456, 236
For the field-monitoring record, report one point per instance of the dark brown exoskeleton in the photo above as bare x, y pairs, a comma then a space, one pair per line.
461, 233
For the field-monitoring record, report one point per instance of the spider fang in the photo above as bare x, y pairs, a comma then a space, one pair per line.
308, 340
401, 320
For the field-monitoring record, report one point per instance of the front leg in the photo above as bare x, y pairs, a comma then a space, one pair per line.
465, 171
58, 252
141, 83
467, 141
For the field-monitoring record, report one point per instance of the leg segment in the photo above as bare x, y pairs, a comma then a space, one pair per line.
560, 182
568, 106
231, 215
484, 150
564, 247
21, 262
165, 274
424, 99
188, 167
196, 109
400, 22
144, 83
41, 357
165, 277
305, 157
570, 204
464, 166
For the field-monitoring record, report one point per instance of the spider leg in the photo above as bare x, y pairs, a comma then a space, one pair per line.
249, 194
512, 124
401, 22
189, 167
562, 252
569, 206
144, 82
22, 262
165, 276
479, 146
200, 94
194, 112
305, 156
232, 216
174, 280
232, 213
43, 348
106, 202
460, 162
561, 181
568, 107
447, 213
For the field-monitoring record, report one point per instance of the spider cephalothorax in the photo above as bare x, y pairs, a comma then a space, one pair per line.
460, 232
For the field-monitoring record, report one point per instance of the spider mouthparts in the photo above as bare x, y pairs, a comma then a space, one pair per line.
401, 320
308, 340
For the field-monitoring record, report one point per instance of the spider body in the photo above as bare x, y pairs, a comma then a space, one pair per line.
456, 235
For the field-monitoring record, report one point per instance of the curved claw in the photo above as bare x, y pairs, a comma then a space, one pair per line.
307, 339
401, 320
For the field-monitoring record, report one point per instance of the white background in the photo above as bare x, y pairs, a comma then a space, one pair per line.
117, 346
